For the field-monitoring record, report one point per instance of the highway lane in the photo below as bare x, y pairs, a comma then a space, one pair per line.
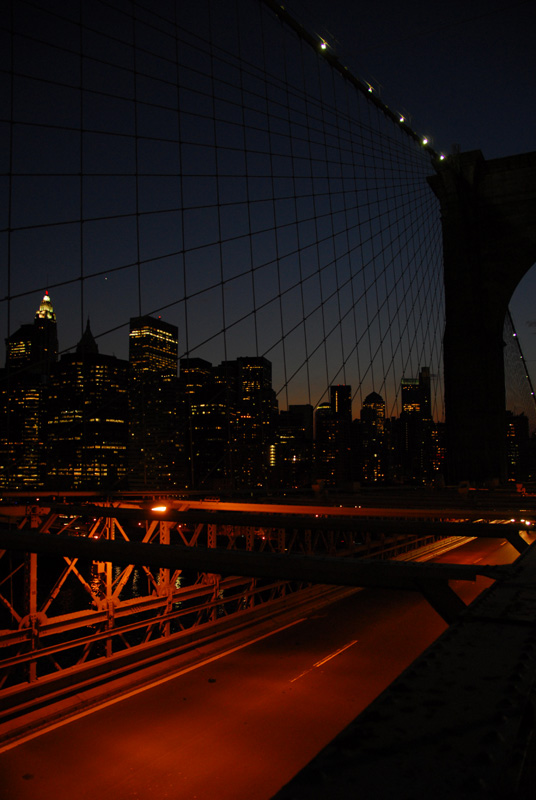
240, 726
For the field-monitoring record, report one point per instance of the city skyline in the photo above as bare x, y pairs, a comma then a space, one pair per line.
49, 304
86, 419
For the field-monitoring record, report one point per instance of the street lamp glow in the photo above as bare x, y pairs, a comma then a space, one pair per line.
159, 508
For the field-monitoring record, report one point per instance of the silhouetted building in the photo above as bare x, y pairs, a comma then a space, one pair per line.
325, 451
415, 444
254, 430
294, 450
373, 449
205, 413
22, 463
333, 437
230, 415
87, 419
517, 446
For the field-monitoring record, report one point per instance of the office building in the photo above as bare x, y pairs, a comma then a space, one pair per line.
87, 420
155, 443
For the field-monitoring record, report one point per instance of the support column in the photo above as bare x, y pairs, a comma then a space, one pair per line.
489, 241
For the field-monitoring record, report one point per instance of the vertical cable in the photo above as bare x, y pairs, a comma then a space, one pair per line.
81, 145
10, 176
136, 152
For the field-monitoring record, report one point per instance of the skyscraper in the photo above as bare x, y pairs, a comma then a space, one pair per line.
87, 419
416, 448
341, 401
333, 445
206, 415
153, 348
34, 347
155, 443
31, 351
46, 336
372, 439
254, 430
295, 446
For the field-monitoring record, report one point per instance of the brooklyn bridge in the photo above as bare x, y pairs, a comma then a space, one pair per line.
267, 475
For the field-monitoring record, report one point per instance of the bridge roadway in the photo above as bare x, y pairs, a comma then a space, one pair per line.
238, 727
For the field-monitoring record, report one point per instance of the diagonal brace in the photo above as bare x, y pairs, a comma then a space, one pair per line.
442, 598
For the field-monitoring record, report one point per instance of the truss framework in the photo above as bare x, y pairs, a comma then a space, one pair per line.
61, 612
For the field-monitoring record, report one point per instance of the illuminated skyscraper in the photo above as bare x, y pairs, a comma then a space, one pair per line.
155, 453
31, 352
153, 348
19, 349
34, 347
46, 336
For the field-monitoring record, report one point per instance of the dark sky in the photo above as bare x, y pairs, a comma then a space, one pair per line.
465, 72
462, 73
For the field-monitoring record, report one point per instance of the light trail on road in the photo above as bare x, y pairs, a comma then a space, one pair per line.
326, 659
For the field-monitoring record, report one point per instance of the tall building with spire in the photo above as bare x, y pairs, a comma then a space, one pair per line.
31, 352
34, 347
46, 336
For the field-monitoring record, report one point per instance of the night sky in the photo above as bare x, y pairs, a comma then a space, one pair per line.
462, 74
465, 72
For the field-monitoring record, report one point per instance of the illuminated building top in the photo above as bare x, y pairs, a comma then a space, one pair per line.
45, 310
153, 346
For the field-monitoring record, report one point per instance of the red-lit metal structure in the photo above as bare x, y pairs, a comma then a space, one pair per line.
100, 585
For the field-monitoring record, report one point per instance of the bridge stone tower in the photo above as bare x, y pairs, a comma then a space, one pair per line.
489, 241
